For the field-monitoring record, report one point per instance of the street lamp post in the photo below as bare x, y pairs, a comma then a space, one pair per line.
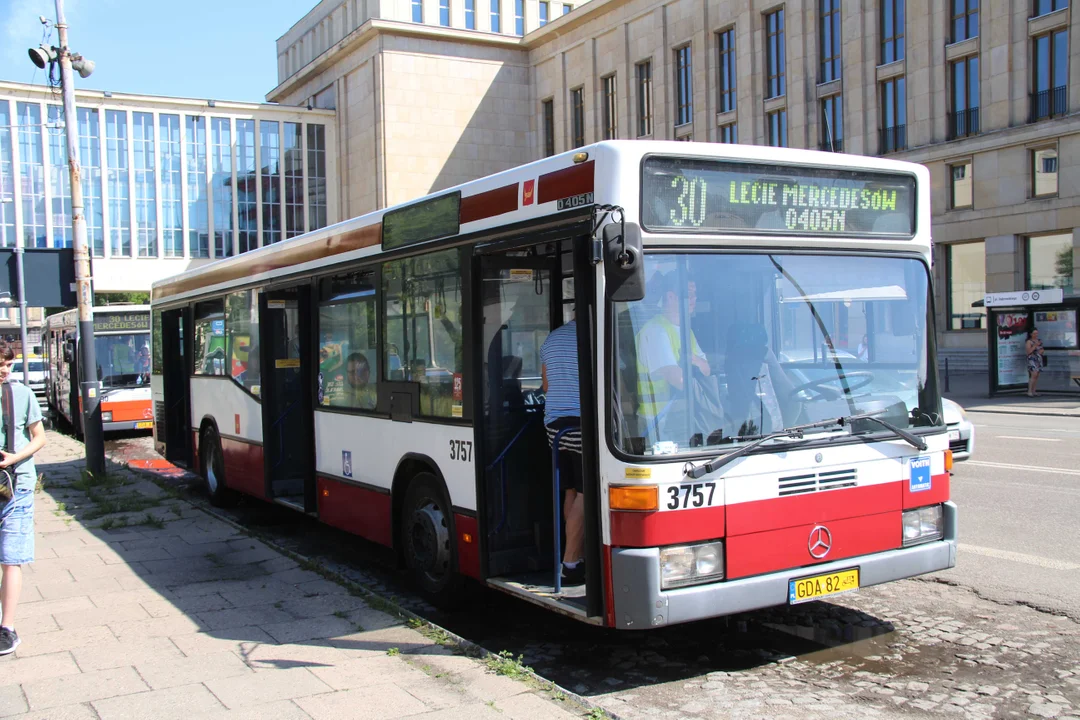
90, 387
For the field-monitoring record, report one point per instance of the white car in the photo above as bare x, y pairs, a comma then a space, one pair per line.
37, 372
961, 430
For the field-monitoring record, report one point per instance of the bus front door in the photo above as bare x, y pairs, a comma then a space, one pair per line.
176, 386
287, 410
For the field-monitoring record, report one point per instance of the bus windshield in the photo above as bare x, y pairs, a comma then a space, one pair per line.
725, 348
123, 360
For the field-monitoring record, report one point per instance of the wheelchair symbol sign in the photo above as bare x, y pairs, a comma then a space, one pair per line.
346, 463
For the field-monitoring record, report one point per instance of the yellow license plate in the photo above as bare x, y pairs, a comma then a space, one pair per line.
822, 586
146, 425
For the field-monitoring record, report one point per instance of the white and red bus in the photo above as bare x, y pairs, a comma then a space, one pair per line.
122, 351
383, 375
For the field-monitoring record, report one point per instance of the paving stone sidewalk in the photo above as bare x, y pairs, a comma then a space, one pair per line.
142, 606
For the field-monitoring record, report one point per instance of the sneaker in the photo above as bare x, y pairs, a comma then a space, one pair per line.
574, 575
9, 640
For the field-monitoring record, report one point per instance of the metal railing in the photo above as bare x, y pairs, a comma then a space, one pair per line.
1048, 103
893, 139
962, 123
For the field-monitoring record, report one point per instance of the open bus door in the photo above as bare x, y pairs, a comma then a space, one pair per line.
176, 386
521, 299
285, 337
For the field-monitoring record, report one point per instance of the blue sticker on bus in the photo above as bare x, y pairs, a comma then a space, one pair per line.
217, 327
346, 463
920, 474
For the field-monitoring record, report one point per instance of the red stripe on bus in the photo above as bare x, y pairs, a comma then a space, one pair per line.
244, 467
938, 492
125, 410
574, 180
356, 510
638, 529
468, 552
765, 552
489, 204
818, 507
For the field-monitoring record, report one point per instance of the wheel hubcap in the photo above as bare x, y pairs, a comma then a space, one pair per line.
430, 539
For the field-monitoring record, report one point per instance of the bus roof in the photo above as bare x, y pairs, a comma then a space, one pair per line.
70, 318
526, 192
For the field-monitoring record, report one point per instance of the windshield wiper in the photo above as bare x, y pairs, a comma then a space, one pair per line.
797, 433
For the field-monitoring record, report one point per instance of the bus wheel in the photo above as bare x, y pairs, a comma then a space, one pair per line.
427, 541
212, 463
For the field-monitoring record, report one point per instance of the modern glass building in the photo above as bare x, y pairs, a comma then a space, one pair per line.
168, 183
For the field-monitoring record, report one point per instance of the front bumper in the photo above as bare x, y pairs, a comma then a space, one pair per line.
640, 604
126, 425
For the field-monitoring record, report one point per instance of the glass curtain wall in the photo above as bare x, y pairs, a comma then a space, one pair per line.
270, 177
172, 212
316, 149
59, 178
294, 180
7, 179
145, 183
31, 174
221, 160
246, 180
198, 218
116, 159
90, 162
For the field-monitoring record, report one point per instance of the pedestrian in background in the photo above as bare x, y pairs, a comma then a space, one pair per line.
1034, 349
21, 435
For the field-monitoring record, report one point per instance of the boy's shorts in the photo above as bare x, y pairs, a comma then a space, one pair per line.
17, 529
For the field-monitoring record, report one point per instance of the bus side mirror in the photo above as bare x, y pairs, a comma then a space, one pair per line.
624, 265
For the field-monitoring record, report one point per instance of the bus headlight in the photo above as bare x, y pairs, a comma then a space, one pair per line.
106, 416
923, 525
682, 565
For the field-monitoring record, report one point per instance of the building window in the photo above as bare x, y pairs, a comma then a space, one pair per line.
892, 31
294, 181
577, 116
549, 127
729, 133
775, 57
893, 115
172, 213
247, 179
470, 14
725, 41
316, 171
420, 349
59, 178
519, 17
222, 185
349, 348
960, 195
1050, 75
644, 98
116, 163
7, 179
966, 275
832, 124
198, 208
543, 14
965, 19
964, 119
145, 183
90, 163
496, 26
684, 87
777, 128
1049, 262
270, 177
417, 11
32, 175
566, 8
1042, 7
444, 13
1044, 172
830, 40
611, 108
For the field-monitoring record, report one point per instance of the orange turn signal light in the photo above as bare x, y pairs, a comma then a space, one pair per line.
467, 537
642, 498
948, 460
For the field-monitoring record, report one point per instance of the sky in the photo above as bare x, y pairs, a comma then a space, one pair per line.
213, 49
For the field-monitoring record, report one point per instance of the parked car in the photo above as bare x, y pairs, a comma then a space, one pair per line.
961, 430
37, 372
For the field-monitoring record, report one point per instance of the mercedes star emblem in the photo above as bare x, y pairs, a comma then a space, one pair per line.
820, 542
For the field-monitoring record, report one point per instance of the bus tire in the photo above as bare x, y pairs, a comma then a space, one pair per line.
427, 541
212, 464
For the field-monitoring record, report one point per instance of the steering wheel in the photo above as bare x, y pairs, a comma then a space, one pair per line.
821, 390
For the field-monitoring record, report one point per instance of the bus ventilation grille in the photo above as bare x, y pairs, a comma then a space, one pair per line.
815, 482
159, 420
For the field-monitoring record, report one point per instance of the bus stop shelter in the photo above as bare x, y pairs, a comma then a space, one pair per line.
1009, 317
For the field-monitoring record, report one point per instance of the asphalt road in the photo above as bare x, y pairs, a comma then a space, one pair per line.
1019, 499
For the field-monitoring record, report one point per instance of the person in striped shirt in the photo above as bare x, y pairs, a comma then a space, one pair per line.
562, 409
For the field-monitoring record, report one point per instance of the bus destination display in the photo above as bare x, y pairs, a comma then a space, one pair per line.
122, 322
697, 195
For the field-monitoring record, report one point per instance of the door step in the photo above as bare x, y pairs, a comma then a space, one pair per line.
294, 502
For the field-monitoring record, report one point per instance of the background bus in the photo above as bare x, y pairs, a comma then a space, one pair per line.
383, 375
122, 348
